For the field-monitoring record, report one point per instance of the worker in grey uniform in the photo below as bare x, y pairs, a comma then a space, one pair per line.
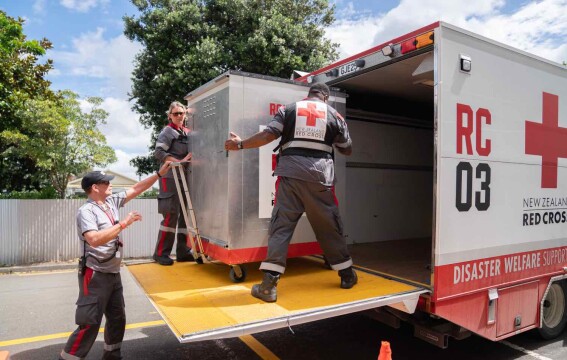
172, 145
100, 286
309, 131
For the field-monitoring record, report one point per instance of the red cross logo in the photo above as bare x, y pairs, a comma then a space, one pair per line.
548, 140
311, 113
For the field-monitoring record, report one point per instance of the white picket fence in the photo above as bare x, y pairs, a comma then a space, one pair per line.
37, 231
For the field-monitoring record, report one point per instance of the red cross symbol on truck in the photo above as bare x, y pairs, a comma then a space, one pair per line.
548, 140
311, 113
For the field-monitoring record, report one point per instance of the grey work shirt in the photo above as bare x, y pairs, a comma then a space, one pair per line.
94, 217
304, 167
172, 141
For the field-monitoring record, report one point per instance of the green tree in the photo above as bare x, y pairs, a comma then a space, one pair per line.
22, 78
189, 42
62, 139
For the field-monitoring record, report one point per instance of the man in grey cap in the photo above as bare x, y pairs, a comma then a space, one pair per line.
100, 286
310, 130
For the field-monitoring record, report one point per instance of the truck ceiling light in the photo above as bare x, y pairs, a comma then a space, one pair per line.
359, 63
388, 50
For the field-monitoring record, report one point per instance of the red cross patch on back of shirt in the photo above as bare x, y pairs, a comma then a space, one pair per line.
310, 120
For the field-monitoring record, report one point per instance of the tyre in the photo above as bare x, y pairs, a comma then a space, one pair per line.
234, 277
554, 316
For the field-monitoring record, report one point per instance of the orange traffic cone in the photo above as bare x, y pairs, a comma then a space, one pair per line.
385, 351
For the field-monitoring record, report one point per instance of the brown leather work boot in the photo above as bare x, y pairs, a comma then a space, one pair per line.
348, 278
266, 291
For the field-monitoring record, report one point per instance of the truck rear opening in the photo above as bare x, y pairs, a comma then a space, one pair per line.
393, 257
390, 177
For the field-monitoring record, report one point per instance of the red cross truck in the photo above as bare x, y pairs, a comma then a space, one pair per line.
454, 199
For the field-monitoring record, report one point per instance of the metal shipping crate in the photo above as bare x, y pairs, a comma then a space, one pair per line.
233, 192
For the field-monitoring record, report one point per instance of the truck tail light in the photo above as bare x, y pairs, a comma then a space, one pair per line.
424, 40
408, 45
417, 42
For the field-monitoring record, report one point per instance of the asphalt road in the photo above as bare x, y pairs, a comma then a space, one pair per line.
37, 314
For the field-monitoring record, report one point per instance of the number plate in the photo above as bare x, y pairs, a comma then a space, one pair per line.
347, 69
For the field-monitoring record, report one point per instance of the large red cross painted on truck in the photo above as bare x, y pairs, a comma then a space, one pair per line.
547, 140
311, 113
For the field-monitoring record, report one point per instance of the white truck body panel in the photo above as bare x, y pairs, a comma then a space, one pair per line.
510, 86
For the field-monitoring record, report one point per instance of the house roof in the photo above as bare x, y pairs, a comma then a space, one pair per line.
119, 181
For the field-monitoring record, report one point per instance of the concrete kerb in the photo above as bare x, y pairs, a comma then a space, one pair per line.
59, 266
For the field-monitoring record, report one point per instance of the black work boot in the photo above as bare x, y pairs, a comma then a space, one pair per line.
266, 291
348, 278
183, 257
163, 260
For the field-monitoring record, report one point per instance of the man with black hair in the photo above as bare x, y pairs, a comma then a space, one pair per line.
310, 129
100, 285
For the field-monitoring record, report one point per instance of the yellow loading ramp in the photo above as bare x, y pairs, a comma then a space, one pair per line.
199, 302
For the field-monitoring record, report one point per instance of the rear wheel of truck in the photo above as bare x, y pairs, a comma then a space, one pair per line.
554, 311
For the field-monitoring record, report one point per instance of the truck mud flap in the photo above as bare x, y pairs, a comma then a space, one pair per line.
199, 302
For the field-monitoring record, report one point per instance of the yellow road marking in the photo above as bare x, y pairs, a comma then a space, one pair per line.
256, 346
64, 335
145, 324
262, 351
46, 272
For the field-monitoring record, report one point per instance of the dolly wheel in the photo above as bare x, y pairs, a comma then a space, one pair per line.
237, 273
554, 311
199, 260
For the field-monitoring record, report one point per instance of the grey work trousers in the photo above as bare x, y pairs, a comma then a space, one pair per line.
99, 294
293, 198
172, 224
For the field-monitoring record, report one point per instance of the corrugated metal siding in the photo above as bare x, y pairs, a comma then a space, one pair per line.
33, 231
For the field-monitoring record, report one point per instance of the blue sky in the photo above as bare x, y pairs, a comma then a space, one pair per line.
93, 58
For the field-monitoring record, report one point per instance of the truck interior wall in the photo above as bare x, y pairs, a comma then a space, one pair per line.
389, 182
389, 177
389, 199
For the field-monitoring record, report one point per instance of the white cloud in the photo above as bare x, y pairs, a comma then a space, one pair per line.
354, 36
347, 10
538, 27
38, 6
82, 5
94, 56
123, 133
109, 61
122, 165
